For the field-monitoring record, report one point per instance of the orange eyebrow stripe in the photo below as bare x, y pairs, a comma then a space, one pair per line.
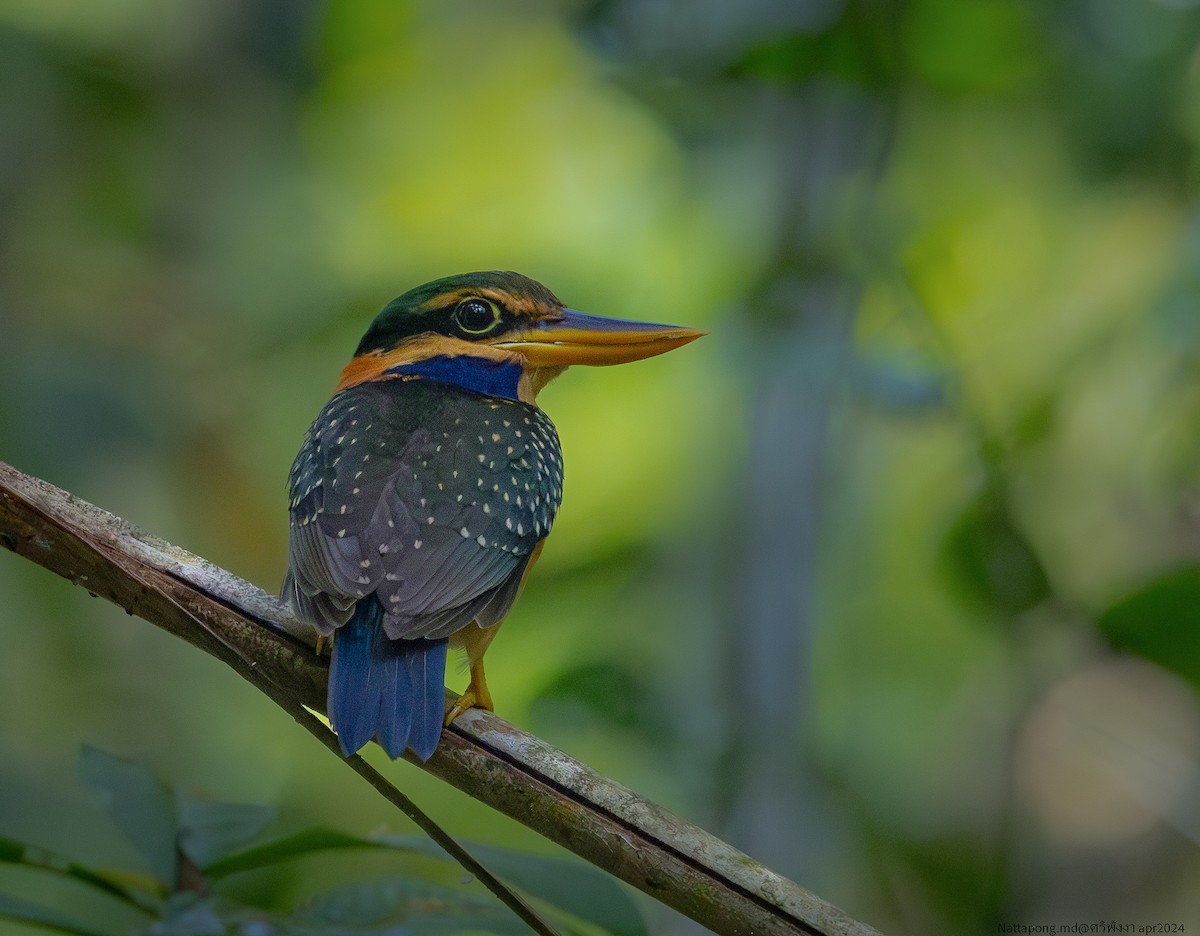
373, 366
523, 306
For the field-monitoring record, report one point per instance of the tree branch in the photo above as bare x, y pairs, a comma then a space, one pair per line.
514, 772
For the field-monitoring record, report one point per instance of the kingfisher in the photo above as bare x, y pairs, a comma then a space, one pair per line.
426, 487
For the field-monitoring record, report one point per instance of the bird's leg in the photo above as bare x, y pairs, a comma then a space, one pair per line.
476, 696
475, 641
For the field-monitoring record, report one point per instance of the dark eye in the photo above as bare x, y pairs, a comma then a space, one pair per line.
475, 316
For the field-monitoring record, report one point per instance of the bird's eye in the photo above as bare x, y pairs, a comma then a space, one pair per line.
475, 316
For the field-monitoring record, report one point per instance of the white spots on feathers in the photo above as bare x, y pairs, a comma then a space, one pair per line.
422, 477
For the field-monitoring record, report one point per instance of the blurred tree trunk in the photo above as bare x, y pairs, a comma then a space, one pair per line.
802, 317
761, 73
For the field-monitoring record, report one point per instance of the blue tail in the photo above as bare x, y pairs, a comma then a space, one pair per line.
388, 688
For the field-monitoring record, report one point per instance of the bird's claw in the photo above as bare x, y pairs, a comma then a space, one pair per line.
476, 696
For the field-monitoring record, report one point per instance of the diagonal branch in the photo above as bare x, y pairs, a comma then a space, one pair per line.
183, 613
514, 772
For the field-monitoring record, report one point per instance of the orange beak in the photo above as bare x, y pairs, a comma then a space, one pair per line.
579, 338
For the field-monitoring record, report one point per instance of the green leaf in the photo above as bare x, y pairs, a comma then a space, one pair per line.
609, 692
572, 886
424, 909
188, 914
31, 856
139, 804
395, 906
984, 45
578, 888
318, 838
988, 555
859, 48
1161, 621
211, 831
25, 912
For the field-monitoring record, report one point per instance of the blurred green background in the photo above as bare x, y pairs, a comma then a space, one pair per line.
893, 581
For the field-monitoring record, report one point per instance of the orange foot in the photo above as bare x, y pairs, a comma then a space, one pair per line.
476, 696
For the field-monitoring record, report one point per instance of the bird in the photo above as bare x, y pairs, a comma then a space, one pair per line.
424, 491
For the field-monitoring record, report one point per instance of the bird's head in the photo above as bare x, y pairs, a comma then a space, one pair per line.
497, 333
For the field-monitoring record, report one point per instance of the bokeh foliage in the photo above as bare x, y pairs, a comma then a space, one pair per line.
891, 580
192, 847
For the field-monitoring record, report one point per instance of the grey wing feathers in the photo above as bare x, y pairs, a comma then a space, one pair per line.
413, 514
